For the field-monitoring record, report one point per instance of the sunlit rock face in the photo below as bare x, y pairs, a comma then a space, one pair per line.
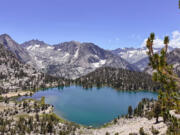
14, 47
72, 59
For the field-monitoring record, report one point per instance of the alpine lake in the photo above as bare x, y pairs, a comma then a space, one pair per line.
91, 107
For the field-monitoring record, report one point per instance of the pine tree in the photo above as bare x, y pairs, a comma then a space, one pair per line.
130, 111
157, 111
169, 96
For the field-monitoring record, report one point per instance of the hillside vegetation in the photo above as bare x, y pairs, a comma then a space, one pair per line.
117, 78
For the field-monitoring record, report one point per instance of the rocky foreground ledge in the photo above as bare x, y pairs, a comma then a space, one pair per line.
125, 126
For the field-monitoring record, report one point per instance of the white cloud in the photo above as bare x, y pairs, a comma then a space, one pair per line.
176, 34
174, 41
158, 43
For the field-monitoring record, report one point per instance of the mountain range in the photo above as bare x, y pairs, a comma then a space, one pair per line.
69, 59
73, 59
136, 56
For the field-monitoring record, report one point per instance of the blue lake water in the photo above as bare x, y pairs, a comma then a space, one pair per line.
92, 107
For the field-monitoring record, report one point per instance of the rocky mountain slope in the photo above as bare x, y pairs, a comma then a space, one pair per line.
72, 59
16, 75
131, 55
173, 58
121, 79
136, 56
15, 48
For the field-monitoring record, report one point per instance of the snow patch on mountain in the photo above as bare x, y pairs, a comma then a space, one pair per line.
133, 55
66, 55
76, 54
99, 64
33, 47
50, 47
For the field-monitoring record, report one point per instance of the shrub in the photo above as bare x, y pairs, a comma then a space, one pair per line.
154, 131
133, 134
141, 131
130, 111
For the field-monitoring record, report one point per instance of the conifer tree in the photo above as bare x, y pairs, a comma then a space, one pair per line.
169, 96
157, 111
130, 111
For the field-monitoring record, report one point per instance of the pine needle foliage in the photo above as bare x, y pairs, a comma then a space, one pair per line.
163, 73
169, 96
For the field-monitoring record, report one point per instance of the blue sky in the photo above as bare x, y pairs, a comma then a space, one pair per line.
108, 23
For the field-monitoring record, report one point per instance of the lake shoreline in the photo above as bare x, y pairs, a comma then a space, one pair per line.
123, 124
84, 101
